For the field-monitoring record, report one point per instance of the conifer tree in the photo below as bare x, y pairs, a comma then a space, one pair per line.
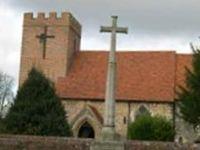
189, 96
37, 110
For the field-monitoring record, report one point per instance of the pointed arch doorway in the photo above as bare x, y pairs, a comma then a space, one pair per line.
86, 131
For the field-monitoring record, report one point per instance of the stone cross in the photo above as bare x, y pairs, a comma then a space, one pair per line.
43, 39
108, 131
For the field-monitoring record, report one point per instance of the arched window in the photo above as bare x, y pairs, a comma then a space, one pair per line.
142, 110
86, 131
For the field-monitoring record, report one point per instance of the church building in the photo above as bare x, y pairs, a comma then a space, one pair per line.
146, 81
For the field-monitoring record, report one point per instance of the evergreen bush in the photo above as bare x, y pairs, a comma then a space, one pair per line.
151, 129
189, 95
37, 110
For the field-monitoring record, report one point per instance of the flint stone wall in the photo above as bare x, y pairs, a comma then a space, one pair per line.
125, 112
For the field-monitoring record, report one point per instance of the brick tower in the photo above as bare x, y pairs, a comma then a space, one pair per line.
49, 44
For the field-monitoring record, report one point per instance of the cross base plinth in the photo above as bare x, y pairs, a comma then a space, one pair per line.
107, 145
108, 134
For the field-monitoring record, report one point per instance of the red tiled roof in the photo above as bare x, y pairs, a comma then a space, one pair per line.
141, 76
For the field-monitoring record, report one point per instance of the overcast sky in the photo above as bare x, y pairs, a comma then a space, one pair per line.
153, 24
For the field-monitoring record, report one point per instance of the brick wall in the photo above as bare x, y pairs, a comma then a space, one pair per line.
16, 142
138, 145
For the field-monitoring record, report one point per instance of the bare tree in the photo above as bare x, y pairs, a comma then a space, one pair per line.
6, 93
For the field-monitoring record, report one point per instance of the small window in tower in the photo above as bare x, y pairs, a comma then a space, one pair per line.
75, 48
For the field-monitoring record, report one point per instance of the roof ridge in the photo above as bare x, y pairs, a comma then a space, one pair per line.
127, 51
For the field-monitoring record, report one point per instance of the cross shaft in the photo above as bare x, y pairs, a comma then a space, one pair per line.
108, 131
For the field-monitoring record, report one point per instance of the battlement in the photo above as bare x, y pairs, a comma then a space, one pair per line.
41, 19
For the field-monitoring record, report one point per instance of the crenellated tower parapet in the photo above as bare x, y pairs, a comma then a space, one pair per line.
66, 19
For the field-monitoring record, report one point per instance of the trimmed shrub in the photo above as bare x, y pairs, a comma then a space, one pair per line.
151, 129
